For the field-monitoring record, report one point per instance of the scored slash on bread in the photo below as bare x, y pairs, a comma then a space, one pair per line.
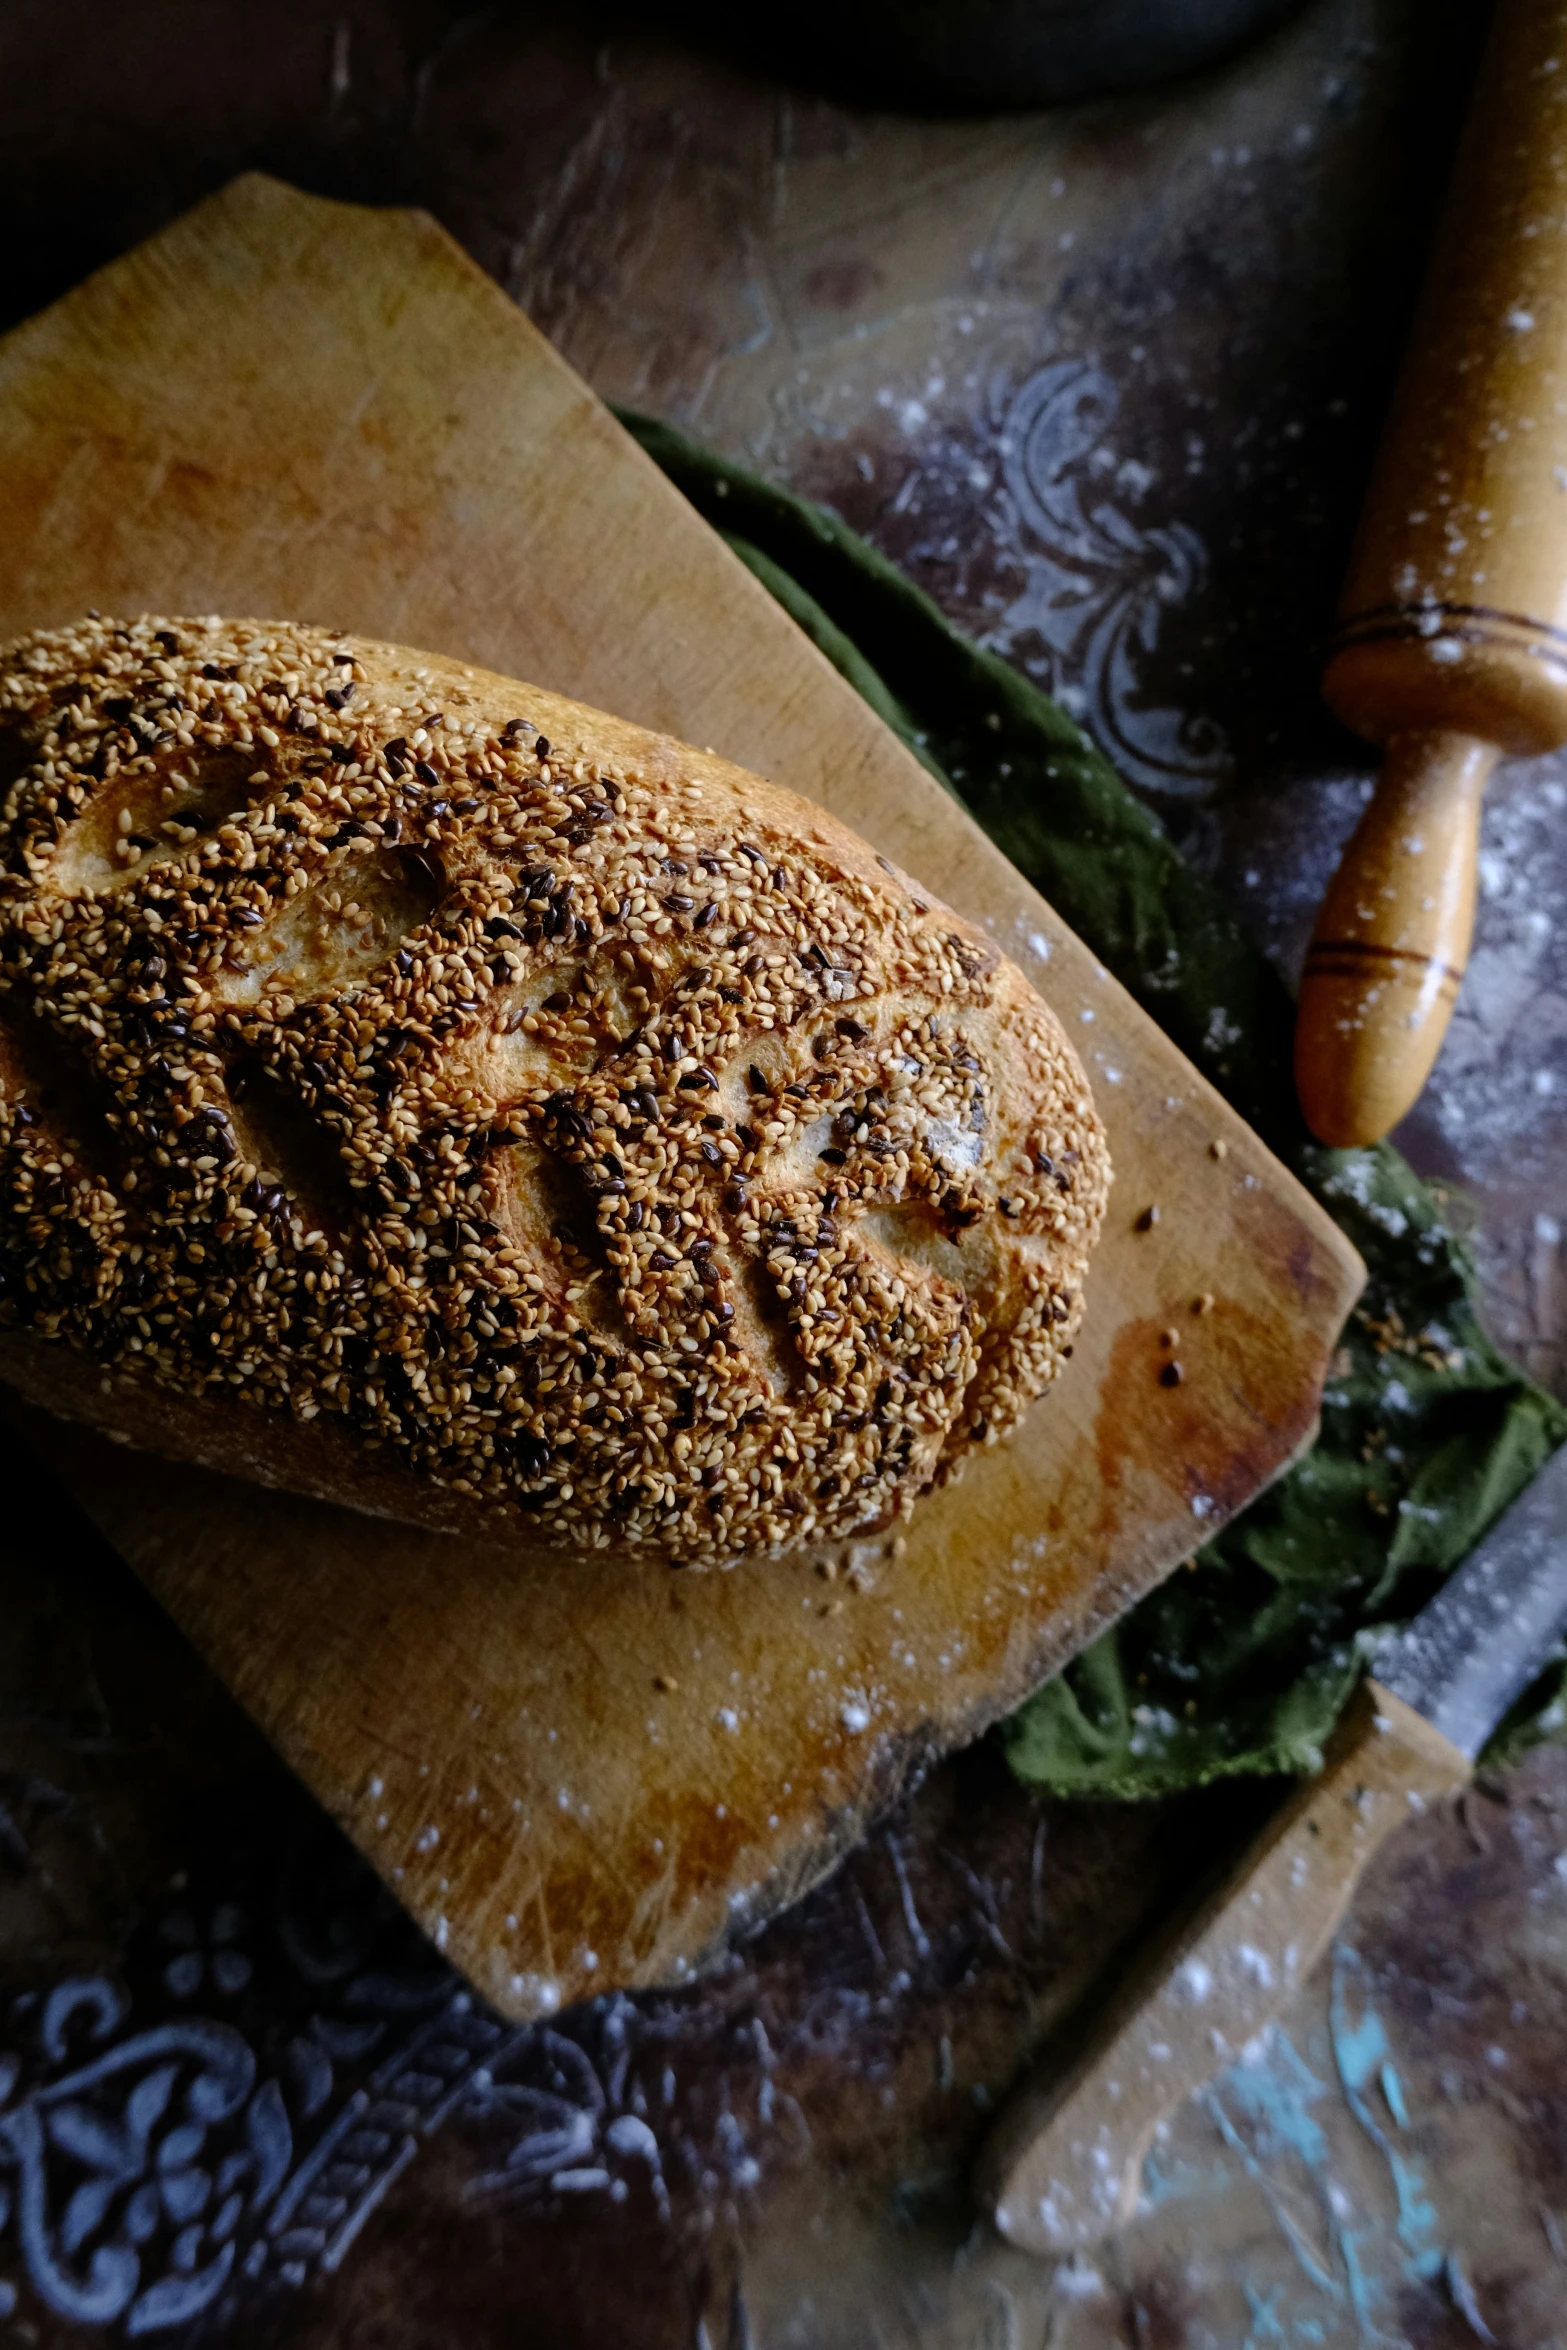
422, 1091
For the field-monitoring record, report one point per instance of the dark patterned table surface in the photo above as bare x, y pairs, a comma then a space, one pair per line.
1106, 382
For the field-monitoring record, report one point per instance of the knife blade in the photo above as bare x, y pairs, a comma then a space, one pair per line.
1480, 1642
1063, 2167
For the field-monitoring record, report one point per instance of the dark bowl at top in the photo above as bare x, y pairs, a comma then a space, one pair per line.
962, 55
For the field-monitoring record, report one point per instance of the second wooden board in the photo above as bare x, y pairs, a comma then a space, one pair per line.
579, 1775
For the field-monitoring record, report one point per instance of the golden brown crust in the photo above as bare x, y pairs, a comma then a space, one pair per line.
420, 1089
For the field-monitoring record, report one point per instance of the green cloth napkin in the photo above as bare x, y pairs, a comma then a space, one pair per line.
1242, 1661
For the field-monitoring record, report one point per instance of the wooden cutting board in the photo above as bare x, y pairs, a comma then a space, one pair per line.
292, 408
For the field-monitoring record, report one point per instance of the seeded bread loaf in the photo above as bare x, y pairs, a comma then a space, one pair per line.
427, 1093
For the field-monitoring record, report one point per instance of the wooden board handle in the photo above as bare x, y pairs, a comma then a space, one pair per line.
1064, 2164
1392, 939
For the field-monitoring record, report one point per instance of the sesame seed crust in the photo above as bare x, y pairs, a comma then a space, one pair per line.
421, 1090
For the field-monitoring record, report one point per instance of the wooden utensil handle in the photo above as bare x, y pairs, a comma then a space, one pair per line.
1392, 940
1453, 623
1064, 2164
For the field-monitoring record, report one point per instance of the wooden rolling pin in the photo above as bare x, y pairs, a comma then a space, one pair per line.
1452, 643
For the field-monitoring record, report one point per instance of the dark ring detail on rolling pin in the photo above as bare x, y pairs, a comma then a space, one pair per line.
1382, 623
1365, 949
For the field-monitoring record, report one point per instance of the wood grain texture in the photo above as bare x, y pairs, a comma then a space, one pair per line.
1452, 637
291, 407
1065, 2165
1391, 942
1454, 613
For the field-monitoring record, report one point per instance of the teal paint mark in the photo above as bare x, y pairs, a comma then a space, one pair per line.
1266, 2325
1393, 2091
1359, 2049
1462, 2294
1289, 2227
1272, 2112
1177, 2179
1365, 2294
1361, 2052
1276, 2094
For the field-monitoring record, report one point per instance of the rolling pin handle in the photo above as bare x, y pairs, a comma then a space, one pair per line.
1385, 962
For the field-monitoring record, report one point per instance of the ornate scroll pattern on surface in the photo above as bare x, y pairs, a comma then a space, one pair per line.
174, 2151
150, 2176
149, 2170
1099, 586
